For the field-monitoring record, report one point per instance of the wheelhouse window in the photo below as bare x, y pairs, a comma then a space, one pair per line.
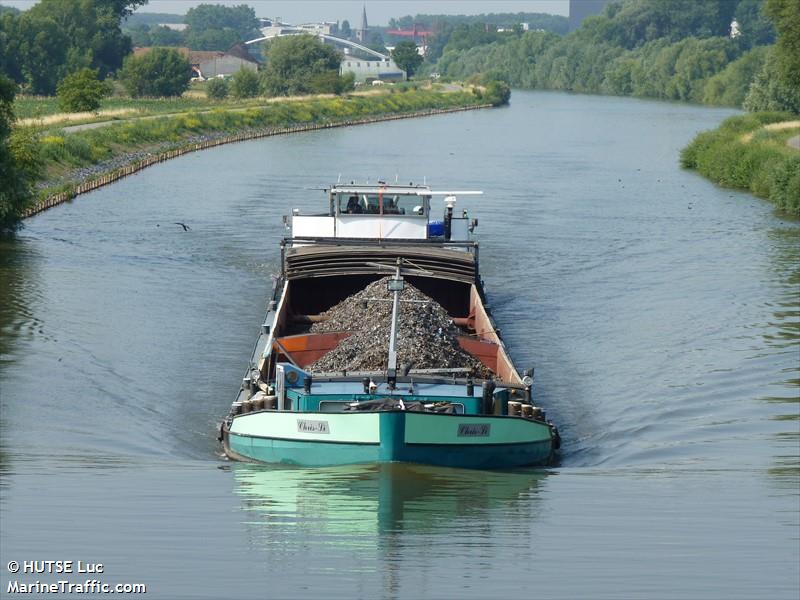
381, 204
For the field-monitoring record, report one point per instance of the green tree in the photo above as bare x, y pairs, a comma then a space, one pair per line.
730, 86
777, 85
671, 49
697, 62
9, 42
140, 35
770, 91
330, 82
217, 89
785, 15
754, 26
498, 93
92, 28
164, 36
540, 21
20, 162
211, 39
293, 63
40, 46
345, 83
81, 91
467, 36
438, 41
161, 72
150, 19
244, 84
345, 29
217, 27
634, 22
241, 18
406, 56
376, 42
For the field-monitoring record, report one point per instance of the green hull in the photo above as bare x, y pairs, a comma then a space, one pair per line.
327, 439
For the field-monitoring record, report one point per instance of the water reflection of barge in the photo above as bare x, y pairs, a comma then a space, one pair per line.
285, 414
359, 500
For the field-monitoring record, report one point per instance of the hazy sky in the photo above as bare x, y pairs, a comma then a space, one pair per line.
378, 11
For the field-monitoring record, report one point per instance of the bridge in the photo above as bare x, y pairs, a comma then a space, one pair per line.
284, 30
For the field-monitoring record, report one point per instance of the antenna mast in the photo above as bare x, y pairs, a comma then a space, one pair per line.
395, 285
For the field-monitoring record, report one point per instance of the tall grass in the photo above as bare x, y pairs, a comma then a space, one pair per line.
26, 107
740, 154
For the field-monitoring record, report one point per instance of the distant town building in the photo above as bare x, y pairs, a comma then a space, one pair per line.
580, 9
221, 64
174, 26
367, 71
736, 30
325, 27
415, 33
206, 64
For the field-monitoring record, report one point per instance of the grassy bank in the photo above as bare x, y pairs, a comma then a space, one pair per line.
62, 151
749, 152
45, 112
72, 158
47, 107
195, 98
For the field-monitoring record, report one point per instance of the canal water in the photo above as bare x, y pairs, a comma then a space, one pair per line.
661, 313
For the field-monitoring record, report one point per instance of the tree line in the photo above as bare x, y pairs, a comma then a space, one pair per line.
70, 47
20, 162
42, 45
75, 49
208, 27
442, 24
54, 43
669, 49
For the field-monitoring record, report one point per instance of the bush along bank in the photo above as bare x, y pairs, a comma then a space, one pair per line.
750, 153
81, 161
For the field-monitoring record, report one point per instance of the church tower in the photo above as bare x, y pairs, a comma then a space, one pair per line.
361, 34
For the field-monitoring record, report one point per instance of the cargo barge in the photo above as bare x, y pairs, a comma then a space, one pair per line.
378, 346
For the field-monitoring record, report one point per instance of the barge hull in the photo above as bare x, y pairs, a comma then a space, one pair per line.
463, 441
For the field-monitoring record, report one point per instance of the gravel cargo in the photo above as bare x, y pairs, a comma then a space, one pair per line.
427, 338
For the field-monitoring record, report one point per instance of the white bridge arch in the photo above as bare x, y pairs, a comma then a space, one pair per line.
288, 30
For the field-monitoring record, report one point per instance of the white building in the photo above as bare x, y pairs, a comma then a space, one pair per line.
370, 70
325, 27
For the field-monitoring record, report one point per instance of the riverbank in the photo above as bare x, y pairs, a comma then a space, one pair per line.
751, 152
80, 161
44, 112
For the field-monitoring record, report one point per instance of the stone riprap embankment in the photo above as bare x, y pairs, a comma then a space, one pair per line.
81, 174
